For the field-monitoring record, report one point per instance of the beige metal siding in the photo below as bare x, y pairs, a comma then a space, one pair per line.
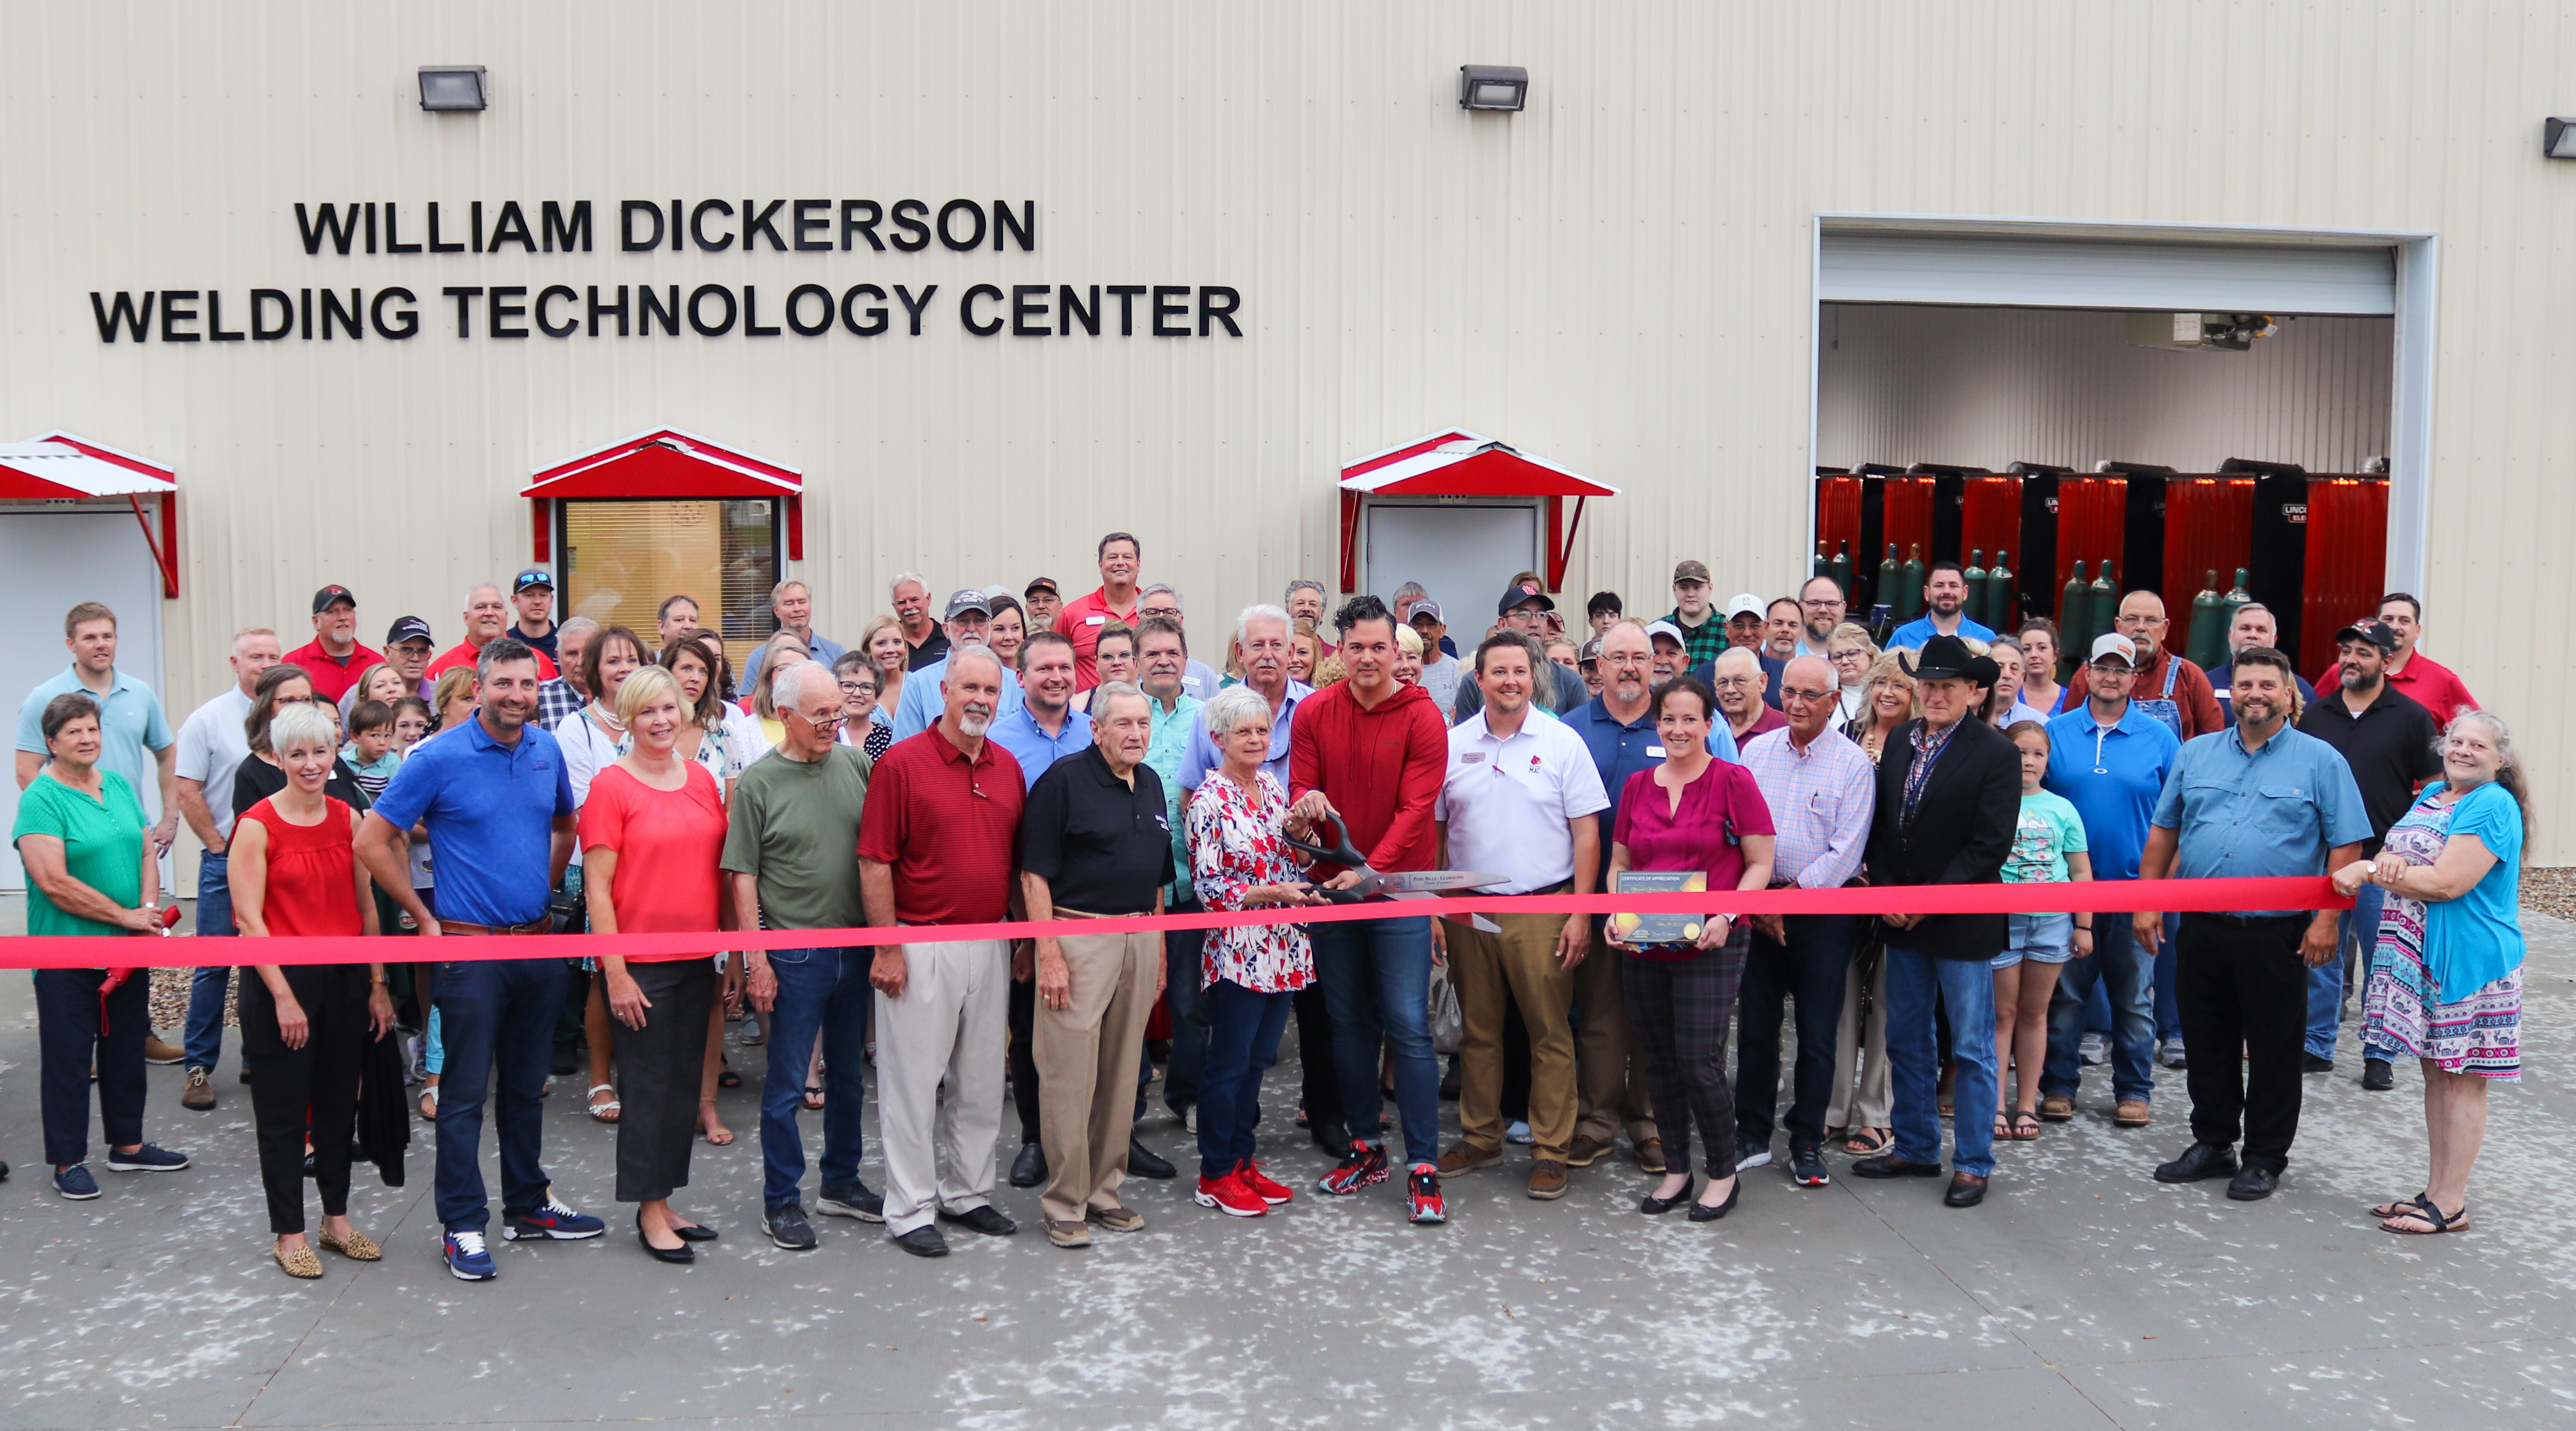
1619, 278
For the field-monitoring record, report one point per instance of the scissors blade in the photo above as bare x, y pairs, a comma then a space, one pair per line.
1466, 917
1418, 880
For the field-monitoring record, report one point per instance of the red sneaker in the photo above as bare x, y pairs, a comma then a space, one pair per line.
1269, 1189
1361, 1167
1231, 1196
1423, 1202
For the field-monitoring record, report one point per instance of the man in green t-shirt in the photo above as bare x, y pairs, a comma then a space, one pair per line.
791, 857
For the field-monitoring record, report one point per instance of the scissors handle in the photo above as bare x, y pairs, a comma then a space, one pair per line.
1339, 852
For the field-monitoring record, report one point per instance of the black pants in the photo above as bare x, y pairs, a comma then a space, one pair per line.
314, 1087
2243, 983
1808, 970
1024, 1059
1320, 1091
70, 1035
657, 1119
1678, 1010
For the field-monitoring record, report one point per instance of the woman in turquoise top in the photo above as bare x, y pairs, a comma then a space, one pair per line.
2446, 977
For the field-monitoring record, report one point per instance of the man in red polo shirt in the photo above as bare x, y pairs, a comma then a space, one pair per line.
2418, 677
939, 844
334, 660
1371, 750
1121, 557
486, 617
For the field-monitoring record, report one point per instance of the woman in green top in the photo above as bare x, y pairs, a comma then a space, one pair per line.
90, 872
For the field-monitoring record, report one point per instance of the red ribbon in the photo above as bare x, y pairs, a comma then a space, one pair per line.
2092, 896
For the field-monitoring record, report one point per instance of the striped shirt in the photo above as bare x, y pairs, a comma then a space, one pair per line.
1821, 800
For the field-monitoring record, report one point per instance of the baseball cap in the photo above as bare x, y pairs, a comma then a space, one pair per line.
1664, 628
969, 600
2374, 632
1425, 607
533, 576
2112, 643
322, 599
1691, 571
408, 628
1521, 594
1046, 583
1745, 604
1588, 653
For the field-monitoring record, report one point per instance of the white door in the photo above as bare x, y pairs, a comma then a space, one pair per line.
1463, 554
49, 563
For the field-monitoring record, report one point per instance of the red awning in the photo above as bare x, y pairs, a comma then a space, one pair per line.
56, 467
1459, 463
667, 464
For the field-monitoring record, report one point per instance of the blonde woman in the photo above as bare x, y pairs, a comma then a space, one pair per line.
712, 738
1887, 694
891, 657
782, 648
1851, 652
1862, 1089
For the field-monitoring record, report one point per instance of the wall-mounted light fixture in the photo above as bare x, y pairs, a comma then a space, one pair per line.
444, 87
1503, 87
2558, 139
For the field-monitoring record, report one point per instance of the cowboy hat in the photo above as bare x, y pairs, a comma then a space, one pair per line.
1947, 658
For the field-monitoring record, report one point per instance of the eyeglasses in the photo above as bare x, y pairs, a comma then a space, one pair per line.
819, 723
2135, 621
1731, 683
1820, 605
1792, 693
2112, 668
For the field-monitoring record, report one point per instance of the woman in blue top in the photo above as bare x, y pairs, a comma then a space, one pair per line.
2446, 978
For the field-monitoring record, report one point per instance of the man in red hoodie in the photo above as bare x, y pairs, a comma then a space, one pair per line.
1370, 751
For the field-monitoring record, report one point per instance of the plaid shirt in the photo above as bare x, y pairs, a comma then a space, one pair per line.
1703, 645
1928, 745
557, 699
1821, 800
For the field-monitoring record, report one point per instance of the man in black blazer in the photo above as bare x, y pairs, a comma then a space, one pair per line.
1949, 822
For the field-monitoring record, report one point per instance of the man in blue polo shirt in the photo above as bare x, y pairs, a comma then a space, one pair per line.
2109, 760
1945, 601
498, 804
130, 720
1618, 728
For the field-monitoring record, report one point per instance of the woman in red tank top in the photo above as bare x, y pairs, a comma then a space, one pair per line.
305, 1027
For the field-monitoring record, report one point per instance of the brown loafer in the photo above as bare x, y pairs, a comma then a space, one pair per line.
1547, 1180
299, 1263
1464, 1157
1586, 1151
357, 1246
1117, 1219
1068, 1234
2057, 1108
1650, 1156
2132, 1113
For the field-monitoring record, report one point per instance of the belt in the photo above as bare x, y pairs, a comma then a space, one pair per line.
1063, 913
2252, 921
542, 924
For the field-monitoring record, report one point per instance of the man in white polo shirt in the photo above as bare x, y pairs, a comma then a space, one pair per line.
1518, 799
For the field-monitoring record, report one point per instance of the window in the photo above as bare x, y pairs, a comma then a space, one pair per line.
621, 558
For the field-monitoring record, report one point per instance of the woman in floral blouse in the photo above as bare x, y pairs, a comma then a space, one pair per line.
1238, 860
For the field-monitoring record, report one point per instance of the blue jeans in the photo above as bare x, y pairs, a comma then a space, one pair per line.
205, 1027
2359, 924
2118, 972
1242, 1042
1376, 975
1967, 988
1185, 1074
819, 991
493, 1010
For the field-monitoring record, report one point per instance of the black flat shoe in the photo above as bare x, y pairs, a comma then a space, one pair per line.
1144, 1162
696, 1232
681, 1253
1888, 1165
2378, 1075
1702, 1212
2200, 1160
2253, 1184
986, 1219
922, 1241
1966, 1190
1653, 1206
1029, 1169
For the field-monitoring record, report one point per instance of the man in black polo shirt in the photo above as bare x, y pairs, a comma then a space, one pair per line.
1095, 842
2387, 739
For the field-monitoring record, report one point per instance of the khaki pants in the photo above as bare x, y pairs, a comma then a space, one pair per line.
1520, 965
1866, 1047
939, 1079
1086, 1056
1611, 1082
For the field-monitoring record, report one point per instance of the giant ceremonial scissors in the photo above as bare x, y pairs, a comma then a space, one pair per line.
1378, 884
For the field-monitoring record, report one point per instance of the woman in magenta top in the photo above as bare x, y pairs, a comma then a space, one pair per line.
651, 833
1693, 812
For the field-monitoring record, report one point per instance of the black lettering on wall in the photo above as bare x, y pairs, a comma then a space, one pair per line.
704, 328
339, 227
569, 326
972, 241
172, 313
437, 247
1223, 312
393, 237
1028, 303
1179, 309
599, 310
965, 310
558, 227
260, 301
751, 311
511, 227
852, 223
820, 225
1127, 293
474, 228
304, 302
126, 314
914, 306
464, 309
754, 225
908, 215
654, 308
347, 317
876, 316
371, 228
375, 313
1069, 311
495, 311
698, 223
1023, 228
626, 213
799, 293
215, 318
675, 226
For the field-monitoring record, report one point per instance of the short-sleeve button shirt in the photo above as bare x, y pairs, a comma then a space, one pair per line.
1619, 751
948, 825
490, 810
1102, 845
1508, 801
2272, 811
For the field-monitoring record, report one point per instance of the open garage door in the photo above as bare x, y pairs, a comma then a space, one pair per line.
1871, 266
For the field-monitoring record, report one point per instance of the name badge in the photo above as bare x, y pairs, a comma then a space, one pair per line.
1656, 751
1472, 757
1095, 621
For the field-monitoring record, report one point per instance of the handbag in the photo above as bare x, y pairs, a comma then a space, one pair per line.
1448, 1020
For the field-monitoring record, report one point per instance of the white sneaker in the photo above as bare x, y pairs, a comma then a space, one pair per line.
2094, 1049
2171, 1055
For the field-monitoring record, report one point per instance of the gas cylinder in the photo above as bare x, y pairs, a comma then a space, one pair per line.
2236, 599
1909, 584
1887, 596
2071, 620
1975, 575
2206, 646
1842, 573
2003, 609
2102, 614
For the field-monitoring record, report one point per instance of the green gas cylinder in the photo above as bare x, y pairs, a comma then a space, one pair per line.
2071, 621
1824, 564
2102, 613
1887, 596
1975, 575
2236, 599
1842, 573
2003, 609
2206, 646
1909, 584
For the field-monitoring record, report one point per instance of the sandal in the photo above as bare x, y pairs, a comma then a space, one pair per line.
813, 1098
2399, 1208
603, 1112
717, 1134
429, 1104
2429, 1213
728, 1078
2003, 1128
1869, 1142
2025, 1126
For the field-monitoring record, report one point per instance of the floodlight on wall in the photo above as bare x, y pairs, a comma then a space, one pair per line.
2558, 138
1502, 87
445, 87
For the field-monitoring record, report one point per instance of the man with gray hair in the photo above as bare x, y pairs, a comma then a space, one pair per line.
1261, 650
1095, 845
792, 603
1304, 599
925, 640
566, 694
487, 617
1198, 681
